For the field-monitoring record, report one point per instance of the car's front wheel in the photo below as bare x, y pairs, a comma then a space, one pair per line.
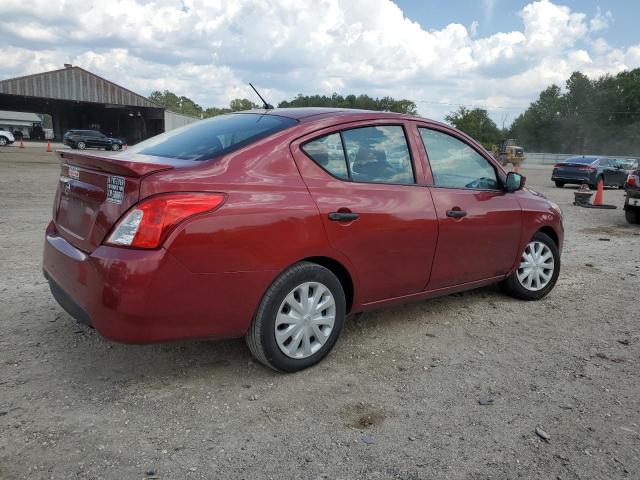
3, 141
81, 146
538, 271
299, 318
115, 147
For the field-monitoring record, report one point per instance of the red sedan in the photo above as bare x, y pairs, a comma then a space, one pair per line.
274, 225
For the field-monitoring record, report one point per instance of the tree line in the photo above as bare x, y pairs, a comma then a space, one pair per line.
599, 116
187, 106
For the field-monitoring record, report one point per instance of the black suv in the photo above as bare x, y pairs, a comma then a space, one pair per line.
82, 139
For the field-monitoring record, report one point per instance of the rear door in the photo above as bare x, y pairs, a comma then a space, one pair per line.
614, 173
373, 203
479, 223
101, 140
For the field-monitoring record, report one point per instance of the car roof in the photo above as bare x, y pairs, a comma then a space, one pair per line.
307, 114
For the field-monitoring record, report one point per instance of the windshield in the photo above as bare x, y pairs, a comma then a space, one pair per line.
206, 139
585, 160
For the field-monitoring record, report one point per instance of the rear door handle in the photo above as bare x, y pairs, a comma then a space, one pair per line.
343, 216
456, 213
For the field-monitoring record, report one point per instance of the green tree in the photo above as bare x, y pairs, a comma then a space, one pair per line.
173, 103
592, 116
475, 123
361, 102
238, 104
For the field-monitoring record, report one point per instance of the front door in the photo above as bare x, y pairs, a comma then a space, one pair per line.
480, 223
364, 183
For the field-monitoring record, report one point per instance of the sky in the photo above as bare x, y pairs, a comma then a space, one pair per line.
493, 54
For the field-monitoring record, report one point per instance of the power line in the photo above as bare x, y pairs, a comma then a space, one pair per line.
523, 109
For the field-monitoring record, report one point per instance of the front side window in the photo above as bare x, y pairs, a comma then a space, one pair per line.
454, 164
377, 154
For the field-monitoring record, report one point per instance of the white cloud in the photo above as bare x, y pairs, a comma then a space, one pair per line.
600, 21
210, 50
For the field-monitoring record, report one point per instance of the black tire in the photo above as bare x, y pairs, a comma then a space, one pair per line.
632, 216
3, 141
81, 145
115, 147
559, 184
512, 286
261, 338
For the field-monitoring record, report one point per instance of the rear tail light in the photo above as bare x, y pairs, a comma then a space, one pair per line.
587, 169
632, 180
148, 223
557, 165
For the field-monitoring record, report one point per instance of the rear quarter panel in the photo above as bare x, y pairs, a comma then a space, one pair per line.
268, 220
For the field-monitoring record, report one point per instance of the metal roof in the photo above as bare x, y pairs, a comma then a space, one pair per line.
19, 116
73, 84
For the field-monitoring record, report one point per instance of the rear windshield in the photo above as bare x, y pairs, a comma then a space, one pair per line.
585, 160
212, 137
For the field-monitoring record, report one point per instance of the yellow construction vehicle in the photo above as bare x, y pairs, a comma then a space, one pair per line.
507, 151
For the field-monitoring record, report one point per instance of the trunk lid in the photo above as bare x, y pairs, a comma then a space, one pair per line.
576, 167
94, 191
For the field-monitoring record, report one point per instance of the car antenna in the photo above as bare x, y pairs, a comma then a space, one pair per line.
267, 106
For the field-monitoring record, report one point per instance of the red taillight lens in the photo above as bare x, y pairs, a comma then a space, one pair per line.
557, 165
587, 169
147, 224
632, 180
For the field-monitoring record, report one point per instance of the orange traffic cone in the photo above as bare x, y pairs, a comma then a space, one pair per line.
21, 143
49, 149
599, 198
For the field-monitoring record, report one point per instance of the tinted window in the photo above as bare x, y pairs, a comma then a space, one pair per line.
215, 136
378, 154
328, 153
454, 164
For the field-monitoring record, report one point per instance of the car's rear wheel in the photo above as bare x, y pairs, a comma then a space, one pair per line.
3, 141
632, 215
81, 146
559, 184
299, 318
538, 271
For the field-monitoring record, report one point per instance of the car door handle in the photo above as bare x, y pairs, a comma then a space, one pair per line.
343, 216
456, 213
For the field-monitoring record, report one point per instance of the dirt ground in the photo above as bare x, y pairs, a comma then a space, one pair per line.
398, 398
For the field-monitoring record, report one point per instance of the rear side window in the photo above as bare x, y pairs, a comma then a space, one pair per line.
377, 154
328, 153
454, 164
215, 136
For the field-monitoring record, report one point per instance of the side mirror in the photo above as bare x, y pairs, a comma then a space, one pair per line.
514, 182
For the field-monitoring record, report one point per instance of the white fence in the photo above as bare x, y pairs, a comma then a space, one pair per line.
174, 120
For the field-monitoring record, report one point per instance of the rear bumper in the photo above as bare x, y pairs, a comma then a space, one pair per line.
577, 178
143, 296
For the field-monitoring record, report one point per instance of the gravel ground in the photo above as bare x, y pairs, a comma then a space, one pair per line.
400, 397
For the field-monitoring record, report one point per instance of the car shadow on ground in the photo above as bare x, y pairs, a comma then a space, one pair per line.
92, 358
